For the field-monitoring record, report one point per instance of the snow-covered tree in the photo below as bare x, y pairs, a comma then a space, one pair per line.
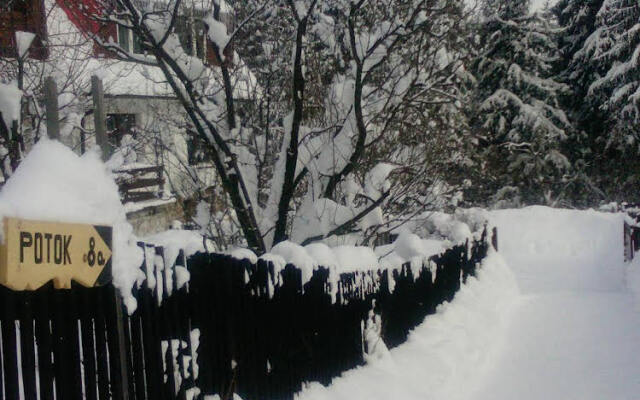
617, 47
604, 73
519, 121
335, 143
577, 19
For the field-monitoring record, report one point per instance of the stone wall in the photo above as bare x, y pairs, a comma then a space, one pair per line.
154, 219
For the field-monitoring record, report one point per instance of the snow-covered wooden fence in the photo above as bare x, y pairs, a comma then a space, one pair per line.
233, 327
246, 328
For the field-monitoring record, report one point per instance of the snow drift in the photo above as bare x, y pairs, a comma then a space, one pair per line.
441, 355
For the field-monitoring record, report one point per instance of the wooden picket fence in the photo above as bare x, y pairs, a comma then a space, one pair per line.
234, 327
60, 344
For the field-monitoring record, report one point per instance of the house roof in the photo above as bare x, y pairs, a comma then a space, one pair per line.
69, 45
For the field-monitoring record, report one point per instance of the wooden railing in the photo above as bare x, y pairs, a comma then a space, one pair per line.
140, 184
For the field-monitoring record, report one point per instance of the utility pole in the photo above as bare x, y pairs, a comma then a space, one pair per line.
51, 104
100, 117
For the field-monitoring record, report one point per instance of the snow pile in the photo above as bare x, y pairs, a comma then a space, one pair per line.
323, 255
574, 333
447, 226
294, 254
355, 258
442, 355
409, 247
376, 351
217, 33
54, 184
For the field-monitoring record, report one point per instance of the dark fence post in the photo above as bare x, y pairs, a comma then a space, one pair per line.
494, 238
628, 247
51, 104
100, 117
123, 373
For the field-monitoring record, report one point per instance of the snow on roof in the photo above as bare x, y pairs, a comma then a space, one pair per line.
197, 4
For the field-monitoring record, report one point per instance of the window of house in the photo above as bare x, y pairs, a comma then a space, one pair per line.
196, 149
129, 41
119, 125
22, 15
190, 31
123, 38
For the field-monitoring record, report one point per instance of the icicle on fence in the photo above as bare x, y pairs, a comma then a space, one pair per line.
233, 327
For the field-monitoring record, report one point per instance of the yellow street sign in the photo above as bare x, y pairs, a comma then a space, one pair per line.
34, 253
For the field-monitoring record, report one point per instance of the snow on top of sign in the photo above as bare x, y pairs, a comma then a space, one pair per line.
54, 184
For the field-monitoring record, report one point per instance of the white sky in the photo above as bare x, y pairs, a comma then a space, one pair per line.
537, 4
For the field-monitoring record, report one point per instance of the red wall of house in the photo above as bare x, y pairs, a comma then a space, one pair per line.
83, 14
27, 16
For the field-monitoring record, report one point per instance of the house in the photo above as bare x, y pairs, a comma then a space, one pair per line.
146, 124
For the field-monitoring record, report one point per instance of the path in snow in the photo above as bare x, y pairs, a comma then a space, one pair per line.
574, 333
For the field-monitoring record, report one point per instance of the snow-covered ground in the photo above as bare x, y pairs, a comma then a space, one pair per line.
550, 317
574, 332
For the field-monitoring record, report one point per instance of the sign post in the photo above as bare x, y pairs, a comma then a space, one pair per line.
34, 253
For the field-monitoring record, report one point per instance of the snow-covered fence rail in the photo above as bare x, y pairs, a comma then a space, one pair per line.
214, 324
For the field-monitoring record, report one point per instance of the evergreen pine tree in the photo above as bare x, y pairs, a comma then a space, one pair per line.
619, 87
518, 119
577, 19
605, 77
